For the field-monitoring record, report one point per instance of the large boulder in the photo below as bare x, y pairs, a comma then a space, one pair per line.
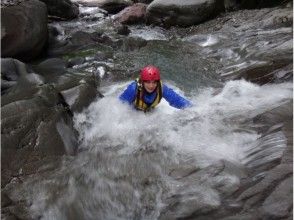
24, 30
132, 14
64, 9
36, 109
182, 13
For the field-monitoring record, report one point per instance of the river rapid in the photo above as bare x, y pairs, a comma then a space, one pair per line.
170, 163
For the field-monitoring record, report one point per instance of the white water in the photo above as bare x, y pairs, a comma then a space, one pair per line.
135, 165
206, 130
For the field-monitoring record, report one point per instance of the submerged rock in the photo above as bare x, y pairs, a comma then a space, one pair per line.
16, 40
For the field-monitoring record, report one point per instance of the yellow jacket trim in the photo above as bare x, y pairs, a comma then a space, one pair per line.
139, 101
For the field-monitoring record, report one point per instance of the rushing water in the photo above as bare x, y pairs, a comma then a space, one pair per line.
137, 166
170, 163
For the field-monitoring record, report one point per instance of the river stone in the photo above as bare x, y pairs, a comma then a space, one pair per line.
132, 14
51, 66
36, 128
62, 8
36, 120
80, 96
280, 201
16, 76
256, 194
16, 40
182, 13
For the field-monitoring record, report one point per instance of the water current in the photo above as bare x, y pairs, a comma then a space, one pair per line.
132, 165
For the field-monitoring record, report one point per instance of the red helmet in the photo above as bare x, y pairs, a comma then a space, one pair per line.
150, 73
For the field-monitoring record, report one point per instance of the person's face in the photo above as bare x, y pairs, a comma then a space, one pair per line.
150, 86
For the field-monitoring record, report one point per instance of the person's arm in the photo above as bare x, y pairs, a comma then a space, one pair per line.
129, 95
174, 99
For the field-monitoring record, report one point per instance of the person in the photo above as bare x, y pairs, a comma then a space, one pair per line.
146, 92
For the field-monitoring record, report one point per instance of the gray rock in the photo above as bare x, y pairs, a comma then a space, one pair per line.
182, 13
257, 193
38, 127
63, 8
52, 66
14, 72
80, 96
16, 41
280, 201
123, 30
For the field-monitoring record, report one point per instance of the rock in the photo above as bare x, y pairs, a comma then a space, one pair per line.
254, 195
242, 217
182, 13
252, 4
111, 6
16, 41
5, 200
52, 66
36, 118
131, 43
81, 96
123, 30
63, 8
143, 1
280, 201
76, 61
14, 71
43, 128
132, 14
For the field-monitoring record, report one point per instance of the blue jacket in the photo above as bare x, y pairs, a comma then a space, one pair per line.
174, 99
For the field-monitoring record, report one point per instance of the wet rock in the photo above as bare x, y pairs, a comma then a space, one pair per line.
16, 41
99, 56
51, 66
131, 43
80, 44
280, 201
123, 30
257, 193
5, 200
82, 38
76, 61
143, 1
62, 9
36, 119
171, 13
242, 217
183, 171
81, 96
261, 3
43, 128
281, 116
14, 73
111, 6
132, 14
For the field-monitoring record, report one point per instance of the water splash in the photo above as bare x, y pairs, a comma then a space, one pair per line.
169, 163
